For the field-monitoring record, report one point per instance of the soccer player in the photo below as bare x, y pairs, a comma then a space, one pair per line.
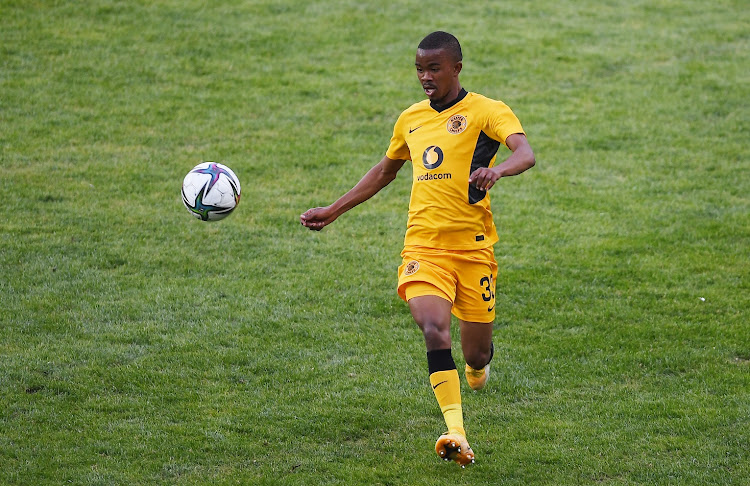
448, 267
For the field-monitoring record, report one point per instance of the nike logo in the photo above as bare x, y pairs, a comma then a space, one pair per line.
415, 129
446, 381
489, 309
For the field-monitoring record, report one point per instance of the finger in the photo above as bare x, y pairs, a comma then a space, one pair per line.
308, 215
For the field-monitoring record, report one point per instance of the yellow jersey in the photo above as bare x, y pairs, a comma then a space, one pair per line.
446, 144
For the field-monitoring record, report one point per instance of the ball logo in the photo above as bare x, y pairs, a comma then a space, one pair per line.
456, 124
432, 157
411, 268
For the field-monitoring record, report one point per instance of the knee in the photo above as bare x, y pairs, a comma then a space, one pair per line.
436, 335
478, 358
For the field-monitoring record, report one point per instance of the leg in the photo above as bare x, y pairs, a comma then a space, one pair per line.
475, 308
433, 316
476, 343
427, 284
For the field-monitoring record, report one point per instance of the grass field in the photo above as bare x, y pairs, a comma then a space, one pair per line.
141, 346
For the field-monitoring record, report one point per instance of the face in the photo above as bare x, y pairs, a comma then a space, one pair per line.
438, 73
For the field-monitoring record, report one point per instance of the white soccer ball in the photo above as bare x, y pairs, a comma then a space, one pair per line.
211, 191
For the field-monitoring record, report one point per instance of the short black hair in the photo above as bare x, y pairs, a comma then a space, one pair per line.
442, 40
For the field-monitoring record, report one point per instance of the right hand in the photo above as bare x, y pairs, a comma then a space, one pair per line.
317, 218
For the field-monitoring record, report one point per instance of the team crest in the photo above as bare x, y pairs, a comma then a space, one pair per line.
456, 124
411, 268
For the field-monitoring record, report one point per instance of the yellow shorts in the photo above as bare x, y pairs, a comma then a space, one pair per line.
466, 278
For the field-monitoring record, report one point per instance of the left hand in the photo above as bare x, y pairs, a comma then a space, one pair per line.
519, 161
484, 178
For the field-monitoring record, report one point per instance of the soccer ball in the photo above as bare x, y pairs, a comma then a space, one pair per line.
211, 191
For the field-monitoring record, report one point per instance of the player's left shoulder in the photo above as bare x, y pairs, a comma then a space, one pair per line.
485, 101
485, 111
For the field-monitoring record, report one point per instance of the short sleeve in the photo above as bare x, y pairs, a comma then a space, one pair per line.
398, 149
501, 122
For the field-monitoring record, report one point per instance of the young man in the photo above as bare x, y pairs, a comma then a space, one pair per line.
448, 264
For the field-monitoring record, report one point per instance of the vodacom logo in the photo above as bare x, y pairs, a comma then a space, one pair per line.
432, 157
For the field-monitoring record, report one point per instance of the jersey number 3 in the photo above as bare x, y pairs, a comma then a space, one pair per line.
486, 282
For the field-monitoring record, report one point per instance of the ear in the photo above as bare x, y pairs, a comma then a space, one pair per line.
457, 68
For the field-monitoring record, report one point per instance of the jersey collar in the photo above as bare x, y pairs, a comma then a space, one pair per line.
440, 108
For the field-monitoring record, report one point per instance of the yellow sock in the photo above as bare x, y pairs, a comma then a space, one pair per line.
447, 389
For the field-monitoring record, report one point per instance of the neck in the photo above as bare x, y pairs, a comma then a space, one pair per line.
451, 96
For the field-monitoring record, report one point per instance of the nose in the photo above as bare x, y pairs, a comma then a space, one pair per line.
425, 76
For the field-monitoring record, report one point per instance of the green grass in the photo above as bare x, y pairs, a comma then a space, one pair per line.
141, 346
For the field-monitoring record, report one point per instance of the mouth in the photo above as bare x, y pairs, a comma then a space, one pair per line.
429, 90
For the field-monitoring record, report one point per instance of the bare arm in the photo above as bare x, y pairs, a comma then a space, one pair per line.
376, 179
520, 160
